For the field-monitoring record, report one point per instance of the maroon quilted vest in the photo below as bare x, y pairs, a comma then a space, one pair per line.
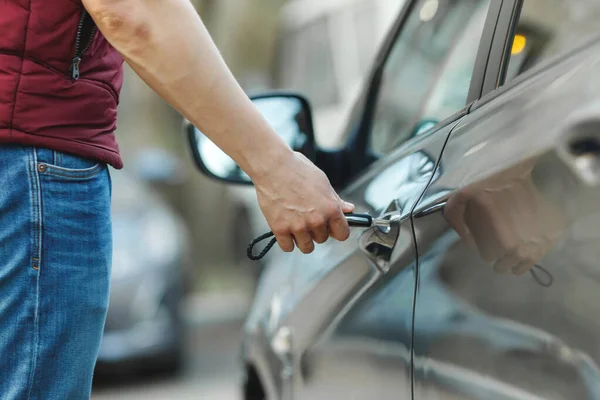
59, 79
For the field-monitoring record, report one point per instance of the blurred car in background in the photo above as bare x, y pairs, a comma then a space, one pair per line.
144, 328
477, 137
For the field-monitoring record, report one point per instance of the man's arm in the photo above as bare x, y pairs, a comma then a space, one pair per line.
167, 45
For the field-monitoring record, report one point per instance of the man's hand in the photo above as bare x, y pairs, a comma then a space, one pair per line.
300, 205
507, 219
167, 45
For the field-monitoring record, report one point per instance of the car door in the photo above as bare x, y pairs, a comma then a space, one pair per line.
344, 326
507, 231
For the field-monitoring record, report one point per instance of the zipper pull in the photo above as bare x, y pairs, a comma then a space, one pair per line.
75, 67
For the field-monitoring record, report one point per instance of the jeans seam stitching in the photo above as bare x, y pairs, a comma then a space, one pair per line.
35, 189
32, 210
73, 170
73, 175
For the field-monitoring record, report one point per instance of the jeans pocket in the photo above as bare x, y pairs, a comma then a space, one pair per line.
68, 165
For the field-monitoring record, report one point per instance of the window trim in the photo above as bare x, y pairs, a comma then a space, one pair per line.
484, 50
494, 76
500, 49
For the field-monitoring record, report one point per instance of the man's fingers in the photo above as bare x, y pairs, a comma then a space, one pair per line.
346, 207
519, 260
505, 264
338, 227
478, 219
304, 241
285, 242
319, 231
454, 212
523, 267
527, 255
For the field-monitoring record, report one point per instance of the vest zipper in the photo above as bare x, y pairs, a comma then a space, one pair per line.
80, 46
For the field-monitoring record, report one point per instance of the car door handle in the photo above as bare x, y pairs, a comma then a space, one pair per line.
379, 241
431, 209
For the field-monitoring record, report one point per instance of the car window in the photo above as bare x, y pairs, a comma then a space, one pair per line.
549, 27
427, 75
307, 60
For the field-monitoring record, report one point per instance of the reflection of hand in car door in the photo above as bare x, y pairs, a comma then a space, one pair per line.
507, 219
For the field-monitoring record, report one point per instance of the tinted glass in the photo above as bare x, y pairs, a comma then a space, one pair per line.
549, 27
428, 73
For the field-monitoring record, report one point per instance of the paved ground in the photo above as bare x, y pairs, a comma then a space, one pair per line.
183, 389
210, 372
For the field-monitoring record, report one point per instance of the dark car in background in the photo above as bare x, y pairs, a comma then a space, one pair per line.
477, 135
144, 327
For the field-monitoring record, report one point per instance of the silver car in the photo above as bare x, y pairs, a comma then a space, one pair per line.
478, 136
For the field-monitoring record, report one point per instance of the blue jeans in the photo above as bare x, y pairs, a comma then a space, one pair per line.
55, 256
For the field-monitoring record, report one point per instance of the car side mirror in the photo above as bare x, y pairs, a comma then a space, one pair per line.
288, 114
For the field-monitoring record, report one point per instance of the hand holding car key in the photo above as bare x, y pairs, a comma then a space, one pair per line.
354, 220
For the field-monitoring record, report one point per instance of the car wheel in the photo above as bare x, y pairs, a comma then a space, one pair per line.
253, 389
169, 364
172, 359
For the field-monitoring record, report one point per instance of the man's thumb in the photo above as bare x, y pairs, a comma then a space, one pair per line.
347, 207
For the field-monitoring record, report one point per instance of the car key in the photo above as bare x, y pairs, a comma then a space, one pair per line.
353, 219
359, 220
366, 221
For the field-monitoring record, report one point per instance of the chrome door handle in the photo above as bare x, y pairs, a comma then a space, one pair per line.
431, 209
379, 241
